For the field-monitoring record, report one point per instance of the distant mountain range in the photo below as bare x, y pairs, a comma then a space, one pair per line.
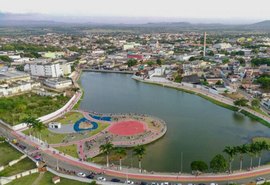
39, 20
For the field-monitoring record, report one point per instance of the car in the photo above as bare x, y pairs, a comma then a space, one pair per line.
143, 183
81, 174
164, 183
129, 182
212, 183
101, 178
115, 180
90, 176
201, 184
260, 179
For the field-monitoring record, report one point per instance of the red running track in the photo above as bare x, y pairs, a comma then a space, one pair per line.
127, 128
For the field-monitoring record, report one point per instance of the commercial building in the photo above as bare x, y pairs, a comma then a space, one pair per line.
58, 83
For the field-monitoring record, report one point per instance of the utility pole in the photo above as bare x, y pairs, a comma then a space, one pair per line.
181, 162
204, 45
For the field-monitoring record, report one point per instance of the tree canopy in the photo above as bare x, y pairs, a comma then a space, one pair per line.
218, 163
199, 166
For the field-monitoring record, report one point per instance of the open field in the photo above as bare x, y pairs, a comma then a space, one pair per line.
23, 165
13, 110
8, 153
45, 180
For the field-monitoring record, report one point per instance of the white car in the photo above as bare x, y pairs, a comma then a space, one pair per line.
260, 179
81, 174
213, 183
164, 183
101, 178
129, 182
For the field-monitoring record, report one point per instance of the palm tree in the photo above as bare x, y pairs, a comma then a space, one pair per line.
106, 148
262, 146
121, 152
35, 124
242, 150
139, 151
252, 152
231, 152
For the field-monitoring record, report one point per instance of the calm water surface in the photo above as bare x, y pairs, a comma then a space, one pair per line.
196, 127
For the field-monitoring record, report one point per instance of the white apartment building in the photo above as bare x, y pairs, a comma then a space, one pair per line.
44, 70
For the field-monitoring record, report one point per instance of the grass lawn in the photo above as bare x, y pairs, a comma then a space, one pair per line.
13, 110
45, 180
70, 118
101, 126
259, 139
49, 136
53, 138
23, 165
69, 150
8, 153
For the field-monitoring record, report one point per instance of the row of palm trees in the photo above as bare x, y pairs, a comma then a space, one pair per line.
254, 149
108, 148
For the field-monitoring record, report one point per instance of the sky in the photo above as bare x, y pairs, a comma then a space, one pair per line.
198, 9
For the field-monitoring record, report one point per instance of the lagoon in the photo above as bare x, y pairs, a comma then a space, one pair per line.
196, 127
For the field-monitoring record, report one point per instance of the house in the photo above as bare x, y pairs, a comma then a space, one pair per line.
56, 179
222, 46
193, 79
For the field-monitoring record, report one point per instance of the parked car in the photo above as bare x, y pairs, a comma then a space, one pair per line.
143, 183
260, 179
101, 178
129, 182
90, 176
115, 180
164, 183
81, 174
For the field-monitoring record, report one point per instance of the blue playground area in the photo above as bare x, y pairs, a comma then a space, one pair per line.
105, 118
77, 125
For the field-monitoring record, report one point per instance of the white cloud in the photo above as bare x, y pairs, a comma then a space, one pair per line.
248, 9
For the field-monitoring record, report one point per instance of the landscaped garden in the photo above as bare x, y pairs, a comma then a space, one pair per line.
69, 118
13, 110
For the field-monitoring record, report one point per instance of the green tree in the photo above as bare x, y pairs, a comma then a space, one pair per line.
242, 61
132, 62
120, 152
35, 124
159, 62
218, 163
241, 150
150, 63
106, 149
5, 58
231, 152
255, 103
261, 146
241, 102
252, 151
139, 151
200, 166
264, 81
192, 59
